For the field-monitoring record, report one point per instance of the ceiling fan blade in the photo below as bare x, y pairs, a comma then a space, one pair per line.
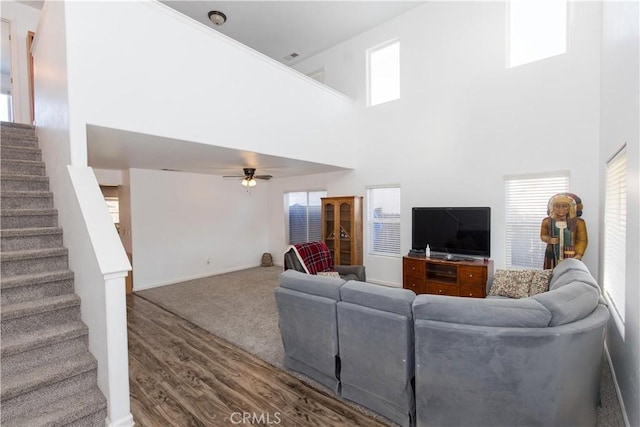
265, 177
233, 176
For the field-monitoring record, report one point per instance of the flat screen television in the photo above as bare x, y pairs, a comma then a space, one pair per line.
452, 230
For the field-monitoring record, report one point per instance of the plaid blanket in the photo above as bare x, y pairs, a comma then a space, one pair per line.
315, 256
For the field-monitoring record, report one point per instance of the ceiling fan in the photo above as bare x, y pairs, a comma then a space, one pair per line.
249, 178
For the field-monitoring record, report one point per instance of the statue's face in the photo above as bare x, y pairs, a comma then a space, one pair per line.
560, 210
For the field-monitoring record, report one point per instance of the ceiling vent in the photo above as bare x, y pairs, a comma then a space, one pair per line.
291, 57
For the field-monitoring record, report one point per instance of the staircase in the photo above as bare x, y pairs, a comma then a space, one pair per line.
48, 376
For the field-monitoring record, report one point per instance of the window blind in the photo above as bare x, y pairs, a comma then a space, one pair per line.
383, 211
526, 203
304, 215
615, 232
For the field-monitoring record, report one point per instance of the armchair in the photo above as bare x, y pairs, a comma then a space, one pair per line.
315, 257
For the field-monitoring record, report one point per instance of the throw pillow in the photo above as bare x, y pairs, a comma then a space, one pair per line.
512, 283
328, 274
540, 282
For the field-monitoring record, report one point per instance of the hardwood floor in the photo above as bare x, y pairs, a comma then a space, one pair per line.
181, 375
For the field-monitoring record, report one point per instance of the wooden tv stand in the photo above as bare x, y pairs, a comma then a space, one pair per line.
442, 277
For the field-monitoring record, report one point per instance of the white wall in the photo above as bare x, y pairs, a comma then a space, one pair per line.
620, 124
186, 226
23, 19
464, 120
108, 177
161, 73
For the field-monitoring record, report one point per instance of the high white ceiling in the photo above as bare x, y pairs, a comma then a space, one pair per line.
280, 28
274, 28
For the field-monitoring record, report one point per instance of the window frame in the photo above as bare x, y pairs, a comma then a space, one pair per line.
541, 30
372, 222
287, 215
614, 262
371, 51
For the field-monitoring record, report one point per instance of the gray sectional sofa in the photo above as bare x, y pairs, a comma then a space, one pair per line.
438, 360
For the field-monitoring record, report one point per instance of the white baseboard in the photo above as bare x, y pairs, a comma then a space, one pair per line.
617, 387
200, 276
126, 421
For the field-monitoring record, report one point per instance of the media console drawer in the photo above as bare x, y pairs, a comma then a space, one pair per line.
442, 289
441, 277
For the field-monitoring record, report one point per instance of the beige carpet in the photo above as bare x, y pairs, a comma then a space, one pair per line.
239, 307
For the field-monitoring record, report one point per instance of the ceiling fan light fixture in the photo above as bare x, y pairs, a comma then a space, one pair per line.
249, 182
218, 18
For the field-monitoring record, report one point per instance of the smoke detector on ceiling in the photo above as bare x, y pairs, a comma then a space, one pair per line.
218, 18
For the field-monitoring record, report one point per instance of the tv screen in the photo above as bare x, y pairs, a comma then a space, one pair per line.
464, 231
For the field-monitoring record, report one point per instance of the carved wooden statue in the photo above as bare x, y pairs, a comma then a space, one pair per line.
564, 232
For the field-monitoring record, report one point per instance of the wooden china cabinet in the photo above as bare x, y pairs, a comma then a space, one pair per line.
342, 228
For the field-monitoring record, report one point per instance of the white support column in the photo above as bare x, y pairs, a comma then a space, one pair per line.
119, 408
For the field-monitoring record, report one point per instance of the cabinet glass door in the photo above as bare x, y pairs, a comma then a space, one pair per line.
329, 232
345, 233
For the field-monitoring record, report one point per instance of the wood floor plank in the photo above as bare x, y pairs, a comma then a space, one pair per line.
181, 375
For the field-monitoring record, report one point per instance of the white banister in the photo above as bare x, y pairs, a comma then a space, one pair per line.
101, 287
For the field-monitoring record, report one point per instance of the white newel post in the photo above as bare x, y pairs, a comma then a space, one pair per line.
118, 414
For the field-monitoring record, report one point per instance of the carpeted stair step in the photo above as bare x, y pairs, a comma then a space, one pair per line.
35, 388
26, 199
13, 133
22, 167
24, 182
22, 382
84, 409
29, 350
14, 125
20, 152
19, 239
18, 140
28, 218
32, 316
36, 286
17, 263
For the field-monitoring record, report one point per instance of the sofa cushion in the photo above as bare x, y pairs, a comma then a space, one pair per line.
540, 282
569, 303
394, 300
512, 283
520, 313
328, 287
566, 266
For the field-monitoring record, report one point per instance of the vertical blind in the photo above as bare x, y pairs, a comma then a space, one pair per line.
303, 216
615, 232
383, 211
526, 203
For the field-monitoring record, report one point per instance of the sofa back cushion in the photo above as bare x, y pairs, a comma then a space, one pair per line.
518, 313
327, 287
569, 265
570, 302
393, 300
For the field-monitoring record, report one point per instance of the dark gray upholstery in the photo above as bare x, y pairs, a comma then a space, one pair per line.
346, 272
475, 362
375, 331
514, 372
308, 325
